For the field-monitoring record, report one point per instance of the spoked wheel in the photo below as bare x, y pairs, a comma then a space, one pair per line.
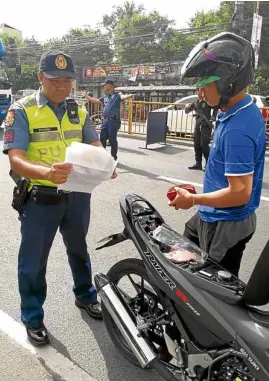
150, 316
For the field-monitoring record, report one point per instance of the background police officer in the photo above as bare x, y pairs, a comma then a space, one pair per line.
38, 130
111, 102
202, 129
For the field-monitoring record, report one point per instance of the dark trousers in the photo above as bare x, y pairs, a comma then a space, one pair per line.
201, 138
109, 130
39, 224
233, 256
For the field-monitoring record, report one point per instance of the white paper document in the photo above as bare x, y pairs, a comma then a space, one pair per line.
91, 166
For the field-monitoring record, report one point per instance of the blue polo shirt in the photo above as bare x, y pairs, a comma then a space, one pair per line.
111, 103
238, 149
17, 132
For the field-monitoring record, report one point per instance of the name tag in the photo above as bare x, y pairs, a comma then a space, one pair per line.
45, 129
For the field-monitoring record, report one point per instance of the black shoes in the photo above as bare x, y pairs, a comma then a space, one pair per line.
197, 167
38, 336
93, 310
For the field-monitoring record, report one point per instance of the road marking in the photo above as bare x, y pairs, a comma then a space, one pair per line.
55, 361
179, 181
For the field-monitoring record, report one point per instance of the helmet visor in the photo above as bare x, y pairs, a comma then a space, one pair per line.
206, 81
194, 53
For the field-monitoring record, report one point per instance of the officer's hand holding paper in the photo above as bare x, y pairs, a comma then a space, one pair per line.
91, 166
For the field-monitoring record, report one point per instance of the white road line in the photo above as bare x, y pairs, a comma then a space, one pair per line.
55, 361
179, 181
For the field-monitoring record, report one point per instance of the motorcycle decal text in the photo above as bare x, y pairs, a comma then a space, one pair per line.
250, 360
160, 271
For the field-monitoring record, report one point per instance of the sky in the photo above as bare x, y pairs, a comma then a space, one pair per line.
51, 18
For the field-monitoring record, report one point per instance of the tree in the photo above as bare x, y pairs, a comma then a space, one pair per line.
222, 15
128, 10
88, 47
140, 37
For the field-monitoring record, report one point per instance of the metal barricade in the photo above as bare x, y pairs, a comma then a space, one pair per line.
134, 118
179, 124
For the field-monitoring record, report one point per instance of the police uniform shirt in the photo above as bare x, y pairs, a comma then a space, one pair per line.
205, 108
111, 103
17, 127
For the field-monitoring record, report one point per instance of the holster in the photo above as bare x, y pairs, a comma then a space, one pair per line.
20, 195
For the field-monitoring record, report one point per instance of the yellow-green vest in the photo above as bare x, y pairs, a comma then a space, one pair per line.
49, 137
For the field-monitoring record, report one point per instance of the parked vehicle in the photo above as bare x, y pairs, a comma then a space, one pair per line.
5, 86
23, 93
180, 124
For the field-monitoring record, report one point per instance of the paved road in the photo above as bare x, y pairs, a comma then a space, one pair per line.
81, 340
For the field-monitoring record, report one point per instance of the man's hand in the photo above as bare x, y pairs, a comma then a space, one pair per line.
114, 174
126, 97
59, 172
183, 199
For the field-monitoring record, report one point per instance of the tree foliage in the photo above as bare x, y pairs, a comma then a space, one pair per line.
131, 35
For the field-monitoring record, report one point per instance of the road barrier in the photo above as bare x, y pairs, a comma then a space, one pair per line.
134, 115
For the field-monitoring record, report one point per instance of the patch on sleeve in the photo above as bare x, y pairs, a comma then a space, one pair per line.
8, 136
10, 119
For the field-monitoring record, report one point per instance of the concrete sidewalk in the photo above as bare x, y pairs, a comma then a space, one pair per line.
16, 363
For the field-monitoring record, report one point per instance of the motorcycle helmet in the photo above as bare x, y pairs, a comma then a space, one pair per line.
226, 59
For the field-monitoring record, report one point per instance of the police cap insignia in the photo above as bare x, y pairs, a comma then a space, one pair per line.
60, 62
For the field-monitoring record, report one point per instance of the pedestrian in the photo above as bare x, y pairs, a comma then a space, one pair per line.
111, 102
202, 130
226, 219
38, 130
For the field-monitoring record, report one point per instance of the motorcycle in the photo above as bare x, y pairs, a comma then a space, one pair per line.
179, 312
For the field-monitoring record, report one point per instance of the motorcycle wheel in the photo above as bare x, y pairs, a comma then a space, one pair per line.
147, 299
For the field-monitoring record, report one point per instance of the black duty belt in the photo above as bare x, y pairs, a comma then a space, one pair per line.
47, 195
112, 118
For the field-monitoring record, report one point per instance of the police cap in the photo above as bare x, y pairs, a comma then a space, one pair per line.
55, 64
109, 82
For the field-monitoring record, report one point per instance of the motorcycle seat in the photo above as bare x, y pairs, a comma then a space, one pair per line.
259, 316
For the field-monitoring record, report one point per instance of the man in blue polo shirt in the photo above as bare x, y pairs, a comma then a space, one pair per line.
226, 219
111, 103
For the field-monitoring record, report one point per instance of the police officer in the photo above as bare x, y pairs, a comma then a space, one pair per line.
37, 131
202, 129
111, 102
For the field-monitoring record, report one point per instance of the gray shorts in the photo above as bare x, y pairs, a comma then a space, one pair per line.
216, 238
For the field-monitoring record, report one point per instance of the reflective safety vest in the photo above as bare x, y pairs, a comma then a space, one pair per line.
48, 136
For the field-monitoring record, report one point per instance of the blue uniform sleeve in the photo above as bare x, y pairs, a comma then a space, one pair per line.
239, 153
102, 99
16, 134
88, 132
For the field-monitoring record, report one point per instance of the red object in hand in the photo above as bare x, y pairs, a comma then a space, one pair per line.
171, 194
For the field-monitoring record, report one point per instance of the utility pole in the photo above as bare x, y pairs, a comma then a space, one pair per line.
258, 7
256, 33
238, 17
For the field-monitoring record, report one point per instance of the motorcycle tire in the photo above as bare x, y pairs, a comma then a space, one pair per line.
119, 270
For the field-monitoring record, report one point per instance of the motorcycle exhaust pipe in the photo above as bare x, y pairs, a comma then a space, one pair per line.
117, 308
114, 304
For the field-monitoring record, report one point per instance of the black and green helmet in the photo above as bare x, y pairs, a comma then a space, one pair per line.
226, 59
